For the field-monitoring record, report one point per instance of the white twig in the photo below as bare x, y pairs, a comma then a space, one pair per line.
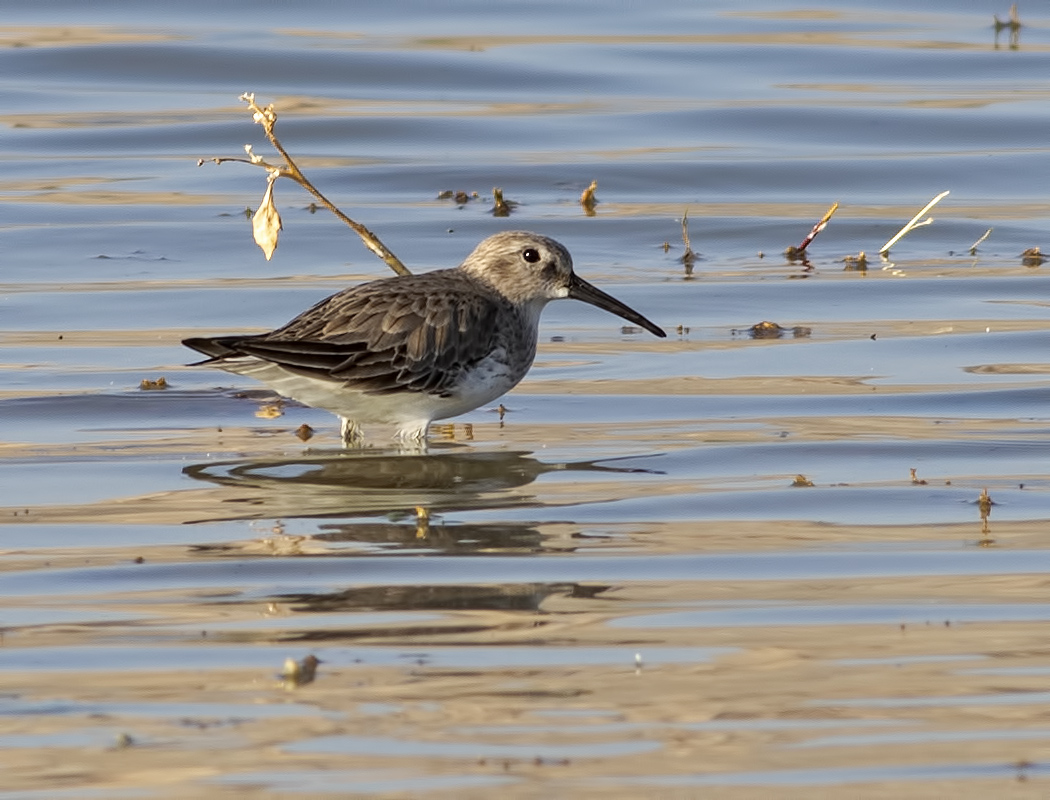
973, 247
913, 223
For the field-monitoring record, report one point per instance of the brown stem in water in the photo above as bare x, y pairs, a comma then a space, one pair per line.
267, 117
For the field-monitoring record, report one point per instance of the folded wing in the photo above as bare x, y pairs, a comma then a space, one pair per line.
420, 337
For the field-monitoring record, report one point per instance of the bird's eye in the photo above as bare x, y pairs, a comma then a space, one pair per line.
531, 254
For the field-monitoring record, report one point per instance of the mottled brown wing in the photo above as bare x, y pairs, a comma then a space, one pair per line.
417, 333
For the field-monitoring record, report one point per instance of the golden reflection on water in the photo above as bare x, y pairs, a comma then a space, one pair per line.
76, 36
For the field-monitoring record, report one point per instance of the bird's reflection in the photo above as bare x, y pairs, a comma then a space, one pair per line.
510, 597
501, 605
460, 538
400, 501
369, 483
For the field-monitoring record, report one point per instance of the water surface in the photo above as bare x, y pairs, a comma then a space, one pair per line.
711, 561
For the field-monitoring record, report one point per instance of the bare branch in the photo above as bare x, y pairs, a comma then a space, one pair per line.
267, 117
915, 222
973, 247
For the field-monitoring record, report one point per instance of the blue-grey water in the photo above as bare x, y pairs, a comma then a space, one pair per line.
713, 565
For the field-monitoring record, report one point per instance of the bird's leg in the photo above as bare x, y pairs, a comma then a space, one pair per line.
413, 436
350, 432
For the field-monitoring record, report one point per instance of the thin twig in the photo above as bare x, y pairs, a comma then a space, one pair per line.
1013, 22
795, 253
688, 257
973, 247
267, 117
913, 223
818, 228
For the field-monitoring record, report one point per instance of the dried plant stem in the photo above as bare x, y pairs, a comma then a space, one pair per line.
1013, 22
973, 247
915, 222
267, 117
500, 208
821, 225
689, 255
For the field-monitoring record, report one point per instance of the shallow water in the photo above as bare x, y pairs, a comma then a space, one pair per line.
626, 585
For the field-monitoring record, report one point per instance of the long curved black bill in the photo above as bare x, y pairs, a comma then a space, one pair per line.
579, 289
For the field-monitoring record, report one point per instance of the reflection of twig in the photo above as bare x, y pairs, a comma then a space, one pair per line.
688, 257
1013, 23
973, 247
422, 522
267, 117
915, 222
984, 505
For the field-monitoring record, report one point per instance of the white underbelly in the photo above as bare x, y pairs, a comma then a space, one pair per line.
489, 380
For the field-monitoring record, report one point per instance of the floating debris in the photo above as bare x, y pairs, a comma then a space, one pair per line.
459, 197
771, 330
858, 262
299, 673
915, 479
802, 480
304, 432
502, 208
1032, 257
588, 200
148, 385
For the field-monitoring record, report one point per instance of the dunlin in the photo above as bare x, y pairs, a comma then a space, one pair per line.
412, 349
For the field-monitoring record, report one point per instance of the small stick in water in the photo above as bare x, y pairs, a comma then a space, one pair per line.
798, 252
688, 257
973, 247
915, 222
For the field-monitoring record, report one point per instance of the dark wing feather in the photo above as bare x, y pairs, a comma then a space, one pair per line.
418, 333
